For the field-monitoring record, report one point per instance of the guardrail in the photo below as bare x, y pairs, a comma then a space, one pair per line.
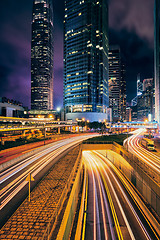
145, 184
82, 206
13, 161
68, 218
53, 221
21, 128
98, 142
120, 163
148, 182
138, 164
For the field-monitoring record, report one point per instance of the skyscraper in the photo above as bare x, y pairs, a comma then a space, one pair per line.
42, 55
148, 82
145, 104
86, 59
123, 95
117, 84
139, 90
157, 59
139, 85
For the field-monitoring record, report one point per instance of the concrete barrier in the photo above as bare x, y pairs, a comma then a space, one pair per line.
82, 207
68, 218
13, 161
53, 222
120, 163
142, 177
138, 180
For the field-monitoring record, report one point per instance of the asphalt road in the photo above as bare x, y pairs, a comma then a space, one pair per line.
14, 187
150, 158
112, 212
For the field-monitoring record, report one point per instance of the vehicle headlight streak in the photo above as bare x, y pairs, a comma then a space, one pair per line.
99, 167
97, 231
125, 196
45, 157
102, 196
149, 158
120, 237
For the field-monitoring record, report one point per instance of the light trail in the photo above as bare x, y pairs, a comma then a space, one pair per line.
100, 187
150, 159
13, 179
117, 200
131, 193
89, 158
127, 201
96, 227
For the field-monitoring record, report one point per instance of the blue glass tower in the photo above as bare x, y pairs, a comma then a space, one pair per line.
85, 57
42, 56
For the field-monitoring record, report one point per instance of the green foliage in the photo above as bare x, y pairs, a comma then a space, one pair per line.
19, 142
109, 138
81, 124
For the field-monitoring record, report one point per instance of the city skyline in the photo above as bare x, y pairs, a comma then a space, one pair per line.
80, 119
136, 45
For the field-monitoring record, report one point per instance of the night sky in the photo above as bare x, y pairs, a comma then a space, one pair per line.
131, 26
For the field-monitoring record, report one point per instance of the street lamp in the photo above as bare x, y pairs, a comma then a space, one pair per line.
44, 133
58, 109
127, 137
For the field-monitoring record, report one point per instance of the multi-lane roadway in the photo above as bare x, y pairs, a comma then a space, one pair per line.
13, 180
149, 158
112, 211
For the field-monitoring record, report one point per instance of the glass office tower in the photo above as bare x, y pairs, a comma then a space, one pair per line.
117, 84
86, 58
42, 56
114, 82
157, 60
123, 95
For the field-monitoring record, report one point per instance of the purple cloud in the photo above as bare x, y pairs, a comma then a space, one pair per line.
133, 15
131, 26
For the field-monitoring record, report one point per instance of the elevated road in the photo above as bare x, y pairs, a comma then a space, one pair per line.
150, 159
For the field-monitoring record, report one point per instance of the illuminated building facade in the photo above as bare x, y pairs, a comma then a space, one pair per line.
42, 56
157, 60
145, 104
139, 85
123, 95
86, 58
117, 84
148, 82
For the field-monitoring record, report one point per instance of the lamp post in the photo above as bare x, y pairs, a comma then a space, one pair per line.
44, 134
127, 137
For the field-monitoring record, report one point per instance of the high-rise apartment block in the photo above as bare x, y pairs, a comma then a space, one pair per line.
157, 59
42, 56
86, 59
117, 84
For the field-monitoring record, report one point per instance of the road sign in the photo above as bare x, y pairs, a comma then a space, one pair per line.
29, 178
